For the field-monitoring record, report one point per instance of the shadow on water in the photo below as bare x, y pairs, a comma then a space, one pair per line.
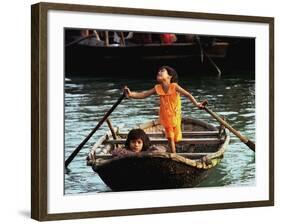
87, 100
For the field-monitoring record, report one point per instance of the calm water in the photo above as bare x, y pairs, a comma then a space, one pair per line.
87, 100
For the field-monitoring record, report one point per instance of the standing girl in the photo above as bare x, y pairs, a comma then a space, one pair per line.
170, 103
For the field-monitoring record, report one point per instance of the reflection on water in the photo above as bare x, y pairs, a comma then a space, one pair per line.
87, 100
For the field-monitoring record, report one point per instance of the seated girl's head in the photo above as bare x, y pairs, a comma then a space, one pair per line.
166, 72
137, 140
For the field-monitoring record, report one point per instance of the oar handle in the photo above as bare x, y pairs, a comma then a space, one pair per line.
244, 139
76, 151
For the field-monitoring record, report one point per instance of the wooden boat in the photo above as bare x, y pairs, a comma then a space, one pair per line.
199, 152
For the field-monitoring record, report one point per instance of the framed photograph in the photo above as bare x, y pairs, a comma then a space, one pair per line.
138, 111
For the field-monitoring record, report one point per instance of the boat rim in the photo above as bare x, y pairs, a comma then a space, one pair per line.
206, 162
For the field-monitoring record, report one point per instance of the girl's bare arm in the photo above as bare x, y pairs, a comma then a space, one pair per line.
138, 95
189, 96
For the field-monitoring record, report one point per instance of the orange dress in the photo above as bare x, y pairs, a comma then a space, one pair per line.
170, 111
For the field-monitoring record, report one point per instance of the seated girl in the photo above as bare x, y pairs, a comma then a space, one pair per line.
137, 141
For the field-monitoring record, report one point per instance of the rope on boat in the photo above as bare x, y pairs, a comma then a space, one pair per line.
202, 163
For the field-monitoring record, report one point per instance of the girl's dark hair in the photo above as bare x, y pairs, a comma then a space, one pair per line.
172, 72
138, 134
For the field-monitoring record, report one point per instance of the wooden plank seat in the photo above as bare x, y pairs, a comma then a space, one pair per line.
184, 134
108, 156
165, 141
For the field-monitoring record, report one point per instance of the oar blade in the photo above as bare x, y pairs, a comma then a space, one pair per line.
242, 138
251, 145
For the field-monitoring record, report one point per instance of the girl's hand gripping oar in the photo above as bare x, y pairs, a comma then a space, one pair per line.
76, 151
244, 139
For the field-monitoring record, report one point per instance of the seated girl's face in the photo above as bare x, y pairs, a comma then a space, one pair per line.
136, 145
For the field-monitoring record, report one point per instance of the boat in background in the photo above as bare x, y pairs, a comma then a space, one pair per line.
88, 56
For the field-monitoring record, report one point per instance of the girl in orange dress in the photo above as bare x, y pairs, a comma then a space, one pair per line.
170, 103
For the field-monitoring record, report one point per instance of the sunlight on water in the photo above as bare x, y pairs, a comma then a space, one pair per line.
87, 100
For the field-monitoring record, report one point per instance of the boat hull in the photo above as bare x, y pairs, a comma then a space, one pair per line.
149, 173
83, 60
196, 157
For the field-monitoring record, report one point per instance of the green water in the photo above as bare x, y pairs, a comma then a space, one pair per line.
87, 100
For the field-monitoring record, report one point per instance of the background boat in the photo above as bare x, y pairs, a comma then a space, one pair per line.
87, 56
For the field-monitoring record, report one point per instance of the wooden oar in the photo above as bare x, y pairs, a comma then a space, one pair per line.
203, 53
201, 48
76, 151
244, 139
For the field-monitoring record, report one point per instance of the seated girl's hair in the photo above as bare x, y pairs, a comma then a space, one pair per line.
138, 134
172, 72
